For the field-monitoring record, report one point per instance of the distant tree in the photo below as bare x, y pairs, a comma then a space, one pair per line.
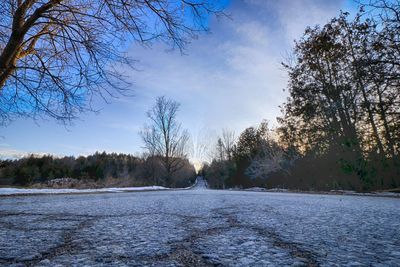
250, 140
55, 55
152, 167
222, 165
220, 151
217, 173
164, 137
270, 156
224, 147
98, 167
228, 143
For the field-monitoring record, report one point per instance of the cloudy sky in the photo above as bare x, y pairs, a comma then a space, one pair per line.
230, 78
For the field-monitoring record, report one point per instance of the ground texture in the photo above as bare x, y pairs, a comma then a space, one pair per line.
199, 227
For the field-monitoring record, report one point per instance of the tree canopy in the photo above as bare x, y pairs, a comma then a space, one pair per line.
164, 136
340, 126
56, 55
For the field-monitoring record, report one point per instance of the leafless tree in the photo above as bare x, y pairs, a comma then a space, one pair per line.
228, 142
164, 137
55, 55
200, 145
224, 146
267, 155
270, 158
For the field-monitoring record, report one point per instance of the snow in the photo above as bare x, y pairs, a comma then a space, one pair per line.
200, 184
199, 227
28, 191
9, 191
256, 189
332, 192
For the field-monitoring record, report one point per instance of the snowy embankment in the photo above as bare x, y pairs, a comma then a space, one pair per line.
332, 192
28, 191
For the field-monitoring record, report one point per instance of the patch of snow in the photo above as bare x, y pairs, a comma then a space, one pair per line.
262, 189
28, 191
370, 194
257, 189
344, 191
200, 184
277, 190
391, 194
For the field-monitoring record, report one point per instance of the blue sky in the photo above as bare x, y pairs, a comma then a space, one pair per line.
230, 78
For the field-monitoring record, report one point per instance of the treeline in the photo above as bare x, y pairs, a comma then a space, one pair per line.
139, 171
340, 127
249, 160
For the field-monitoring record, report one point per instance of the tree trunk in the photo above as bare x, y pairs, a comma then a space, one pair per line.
361, 87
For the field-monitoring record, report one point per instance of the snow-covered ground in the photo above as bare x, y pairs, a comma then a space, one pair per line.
9, 191
200, 184
27, 191
199, 228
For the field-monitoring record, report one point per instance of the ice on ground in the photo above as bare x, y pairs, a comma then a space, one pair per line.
199, 228
200, 184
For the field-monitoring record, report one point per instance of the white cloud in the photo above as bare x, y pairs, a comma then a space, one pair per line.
231, 78
9, 153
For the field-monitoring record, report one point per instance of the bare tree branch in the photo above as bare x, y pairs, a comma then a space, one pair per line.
56, 55
164, 137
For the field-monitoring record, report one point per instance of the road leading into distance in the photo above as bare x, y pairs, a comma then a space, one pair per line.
199, 227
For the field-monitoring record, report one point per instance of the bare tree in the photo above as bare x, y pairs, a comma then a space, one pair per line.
55, 55
219, 150
271, 158
164, 137
200, 147
228, 142
224, 146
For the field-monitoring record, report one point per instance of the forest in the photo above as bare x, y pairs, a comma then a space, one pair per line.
340, 125
136, 171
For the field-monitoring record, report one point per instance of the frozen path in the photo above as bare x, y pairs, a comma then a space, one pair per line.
199, 228
200, 184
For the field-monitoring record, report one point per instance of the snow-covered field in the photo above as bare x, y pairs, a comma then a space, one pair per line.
26, 191
199, 228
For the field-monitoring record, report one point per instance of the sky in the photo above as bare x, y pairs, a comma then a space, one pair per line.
230, 78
